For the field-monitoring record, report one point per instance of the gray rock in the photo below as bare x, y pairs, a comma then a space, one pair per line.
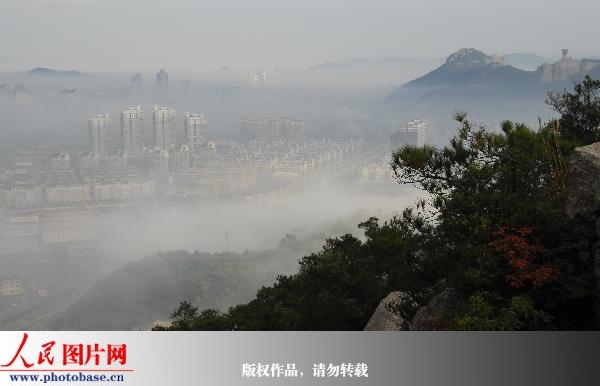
384, 318
428, 317
583, 182
583, 205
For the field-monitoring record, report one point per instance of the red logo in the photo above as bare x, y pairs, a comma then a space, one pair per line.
73, 354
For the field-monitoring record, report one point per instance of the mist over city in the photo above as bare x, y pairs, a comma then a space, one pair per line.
196, 153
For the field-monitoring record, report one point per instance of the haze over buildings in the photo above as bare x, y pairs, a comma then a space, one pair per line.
162, 83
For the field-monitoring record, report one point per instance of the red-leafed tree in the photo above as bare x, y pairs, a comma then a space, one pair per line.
523, 257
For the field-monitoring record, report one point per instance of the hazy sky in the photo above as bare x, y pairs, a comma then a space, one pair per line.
143, 35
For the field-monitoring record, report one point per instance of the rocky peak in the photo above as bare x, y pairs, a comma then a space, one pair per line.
468, 59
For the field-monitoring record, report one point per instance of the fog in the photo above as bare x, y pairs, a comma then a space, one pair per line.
252, 225
236, 247
329, 105
342, 100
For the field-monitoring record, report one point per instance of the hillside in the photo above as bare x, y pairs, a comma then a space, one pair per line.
469, 66
473, 81
148, 290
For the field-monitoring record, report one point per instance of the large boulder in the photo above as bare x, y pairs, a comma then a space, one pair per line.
429, 317
385, 318
583, 182
583, 205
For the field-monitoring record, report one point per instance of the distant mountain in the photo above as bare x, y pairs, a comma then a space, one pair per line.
489, 87
50, 72
469, 66
486, 86
525, 61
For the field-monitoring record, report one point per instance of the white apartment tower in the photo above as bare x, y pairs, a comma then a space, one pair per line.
164, 127
413, 132
132, 130
196, 131
99, 126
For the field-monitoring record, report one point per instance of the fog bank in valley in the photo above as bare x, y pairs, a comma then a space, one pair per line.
252, 225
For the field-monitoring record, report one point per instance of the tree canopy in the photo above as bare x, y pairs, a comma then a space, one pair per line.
579, 111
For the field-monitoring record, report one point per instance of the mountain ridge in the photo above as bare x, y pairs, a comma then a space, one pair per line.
469, 66
49, 71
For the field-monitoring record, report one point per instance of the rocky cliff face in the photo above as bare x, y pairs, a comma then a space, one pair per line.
583, 203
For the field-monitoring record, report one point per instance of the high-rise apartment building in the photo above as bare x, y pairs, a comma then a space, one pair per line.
164, 127
135, 82
99, 128
411, 133
162, 82
132, 130
196, 131
417, 128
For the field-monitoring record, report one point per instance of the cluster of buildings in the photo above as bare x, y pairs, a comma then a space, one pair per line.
11, 285
225, 169
566, 67
57, 202
272, 154
213, 170
132, 131
65, 180
31, 230
271, 128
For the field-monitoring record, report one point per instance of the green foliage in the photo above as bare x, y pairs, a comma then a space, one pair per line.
483, 182
336, 288
518, 313
579, 110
